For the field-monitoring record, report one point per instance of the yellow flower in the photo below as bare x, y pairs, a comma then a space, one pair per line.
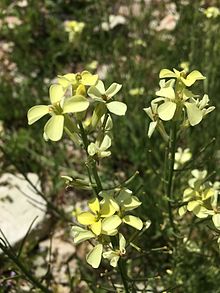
101, 219
188, 80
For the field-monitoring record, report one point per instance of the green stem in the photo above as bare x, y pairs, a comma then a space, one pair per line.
122, 271
171, 161
22, 267
91, 161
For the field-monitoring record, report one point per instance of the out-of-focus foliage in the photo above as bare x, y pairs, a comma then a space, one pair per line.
129, 42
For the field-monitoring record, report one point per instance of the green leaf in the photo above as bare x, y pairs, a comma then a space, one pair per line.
56, 93
133, 221
36, 112
117, 108
94, 256
167, 110
194, 114
75, 104
113, 90
54, 127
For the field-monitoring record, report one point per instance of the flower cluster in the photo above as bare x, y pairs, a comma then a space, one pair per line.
176, 102
201, 198
102, 221
74, 28
74, 93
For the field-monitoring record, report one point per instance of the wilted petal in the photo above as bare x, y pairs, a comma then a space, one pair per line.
117, 108
36, 112
54, 127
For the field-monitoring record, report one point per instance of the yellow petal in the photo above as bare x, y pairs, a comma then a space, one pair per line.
111, 223
94, 256
86, 218
133, 221
54, 127
94, 205
166, 73
36, 112
96, 227
56, 93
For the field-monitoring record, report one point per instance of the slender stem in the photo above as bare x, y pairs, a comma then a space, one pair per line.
90, 160
25, 270
171, 161
122, 271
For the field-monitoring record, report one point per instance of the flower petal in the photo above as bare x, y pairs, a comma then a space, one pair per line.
113, 90
56, 93
75, 104
193, 77
166, 73
36, 112
54, 127
80, 234
94, 205
86, 218
152, 127
216, 221
167, 92
117, 108
166, 110
194, 114
133, 221
88, 78
122, 242
96, 227
111, 223
106, 143
95, 93
94, 256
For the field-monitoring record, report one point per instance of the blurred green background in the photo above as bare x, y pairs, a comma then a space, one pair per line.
128, 42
